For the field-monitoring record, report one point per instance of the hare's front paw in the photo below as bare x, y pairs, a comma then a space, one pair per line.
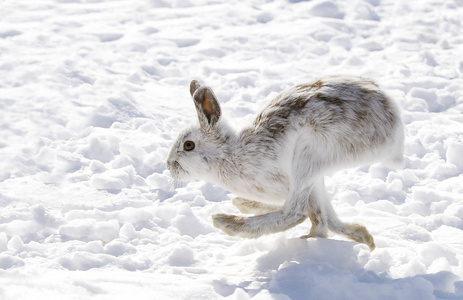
230, 224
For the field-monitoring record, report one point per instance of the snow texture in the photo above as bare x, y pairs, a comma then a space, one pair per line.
92, 94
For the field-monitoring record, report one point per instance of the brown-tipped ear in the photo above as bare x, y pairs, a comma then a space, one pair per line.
194, 85
207, 106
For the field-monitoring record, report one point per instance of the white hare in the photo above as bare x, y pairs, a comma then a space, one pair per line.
276, 164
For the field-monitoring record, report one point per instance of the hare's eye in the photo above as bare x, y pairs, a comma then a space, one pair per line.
188, 146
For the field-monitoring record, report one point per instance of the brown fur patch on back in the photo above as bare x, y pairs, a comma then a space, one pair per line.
275, 118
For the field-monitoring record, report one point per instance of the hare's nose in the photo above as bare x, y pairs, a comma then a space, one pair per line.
172, 164
169, 164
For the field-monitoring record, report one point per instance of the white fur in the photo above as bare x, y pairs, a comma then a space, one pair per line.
276, 165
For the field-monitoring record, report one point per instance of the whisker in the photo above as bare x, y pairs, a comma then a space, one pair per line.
173, 184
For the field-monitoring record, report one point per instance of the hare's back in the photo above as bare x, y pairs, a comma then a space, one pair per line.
346, 104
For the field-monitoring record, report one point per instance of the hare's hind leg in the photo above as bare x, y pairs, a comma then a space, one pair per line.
323, 216
353, 231
253, 207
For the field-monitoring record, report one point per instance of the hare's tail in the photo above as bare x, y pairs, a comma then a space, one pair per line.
396, 158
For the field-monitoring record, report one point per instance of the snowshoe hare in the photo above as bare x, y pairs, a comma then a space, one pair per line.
276, 164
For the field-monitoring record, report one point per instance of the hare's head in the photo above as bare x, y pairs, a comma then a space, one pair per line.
197, 148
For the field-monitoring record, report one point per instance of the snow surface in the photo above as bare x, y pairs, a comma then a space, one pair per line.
92, 94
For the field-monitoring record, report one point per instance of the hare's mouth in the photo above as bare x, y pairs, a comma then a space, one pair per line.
176, 169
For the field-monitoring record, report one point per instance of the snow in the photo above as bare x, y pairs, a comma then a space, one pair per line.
92, 94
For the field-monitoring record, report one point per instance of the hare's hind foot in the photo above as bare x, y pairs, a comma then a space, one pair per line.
355, 232
253, 207
359, 233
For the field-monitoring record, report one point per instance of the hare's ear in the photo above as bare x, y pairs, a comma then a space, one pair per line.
207, 105
194, 85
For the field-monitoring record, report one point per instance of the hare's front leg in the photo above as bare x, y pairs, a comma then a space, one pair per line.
253, 227
295, 210
318, 213
253, 207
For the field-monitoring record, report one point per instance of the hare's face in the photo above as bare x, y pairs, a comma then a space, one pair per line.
191, 154
196, 150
